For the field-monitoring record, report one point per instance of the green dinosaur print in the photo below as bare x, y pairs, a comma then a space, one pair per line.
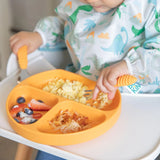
85, 70
123, 4
118, 10
156, 14
55, 34
119, 13
106, 65
58, 35
87, 8
157, 25
137, 32
135, 48
56, 10
95, 61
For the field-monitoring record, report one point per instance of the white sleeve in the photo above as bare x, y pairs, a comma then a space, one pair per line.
51, 30
144, 61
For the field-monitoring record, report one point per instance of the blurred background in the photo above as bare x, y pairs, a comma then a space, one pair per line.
18, 15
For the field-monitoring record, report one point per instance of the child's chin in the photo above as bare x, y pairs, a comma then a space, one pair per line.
101, 10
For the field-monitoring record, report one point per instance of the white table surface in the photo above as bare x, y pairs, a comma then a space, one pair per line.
136, 135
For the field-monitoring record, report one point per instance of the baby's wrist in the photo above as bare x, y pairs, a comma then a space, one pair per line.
38, 38
128, 66
42, 36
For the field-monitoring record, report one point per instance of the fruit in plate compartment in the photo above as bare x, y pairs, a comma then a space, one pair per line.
36, 115
28, 111
21, 100
17, 119
40, 101
17, 108
28, 120
38, 106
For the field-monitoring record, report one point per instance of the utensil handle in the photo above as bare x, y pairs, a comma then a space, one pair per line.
125, 80
22, 57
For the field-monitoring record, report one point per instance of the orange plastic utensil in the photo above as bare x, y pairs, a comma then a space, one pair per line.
23, 62
125, 80
22, 57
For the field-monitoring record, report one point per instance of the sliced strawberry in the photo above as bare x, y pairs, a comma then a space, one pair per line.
38, 106
36, 115
17, 108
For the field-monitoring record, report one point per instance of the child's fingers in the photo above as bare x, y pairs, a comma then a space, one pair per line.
13, 42
16, 46
111, 95
95, 93
107, 85
30, 48
12, 37
100, 85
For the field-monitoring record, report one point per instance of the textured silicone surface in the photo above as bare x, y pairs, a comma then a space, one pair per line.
125, 80
22, 57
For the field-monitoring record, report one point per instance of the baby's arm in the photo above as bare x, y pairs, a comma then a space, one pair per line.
143, 61
33, 41
108, 79
48, 31
51, 30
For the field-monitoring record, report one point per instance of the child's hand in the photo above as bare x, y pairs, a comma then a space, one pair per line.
108, 79
32, 40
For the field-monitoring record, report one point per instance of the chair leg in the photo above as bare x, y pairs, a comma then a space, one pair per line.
23, 152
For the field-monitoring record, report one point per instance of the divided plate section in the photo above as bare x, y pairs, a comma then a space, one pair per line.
28, 93
41, 79
72, 116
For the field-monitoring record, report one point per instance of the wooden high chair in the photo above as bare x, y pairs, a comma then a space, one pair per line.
23, 152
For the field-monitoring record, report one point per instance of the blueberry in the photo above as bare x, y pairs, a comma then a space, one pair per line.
16, 120
32, 121
21, 100
18, 114
28, 111
40, 101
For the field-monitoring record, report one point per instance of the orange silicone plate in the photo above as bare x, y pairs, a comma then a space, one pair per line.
41, 131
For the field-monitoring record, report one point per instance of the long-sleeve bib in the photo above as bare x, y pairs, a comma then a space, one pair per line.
98, 40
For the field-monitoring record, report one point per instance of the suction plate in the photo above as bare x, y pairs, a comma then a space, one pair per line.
41, 131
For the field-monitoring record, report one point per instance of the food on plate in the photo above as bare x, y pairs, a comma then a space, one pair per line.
75, 90
28, 111
24, 112
38, 105
100, 102
21, 100
69, 122
16, 109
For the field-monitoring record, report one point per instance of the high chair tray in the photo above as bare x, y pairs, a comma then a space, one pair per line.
136, 134
99, 121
